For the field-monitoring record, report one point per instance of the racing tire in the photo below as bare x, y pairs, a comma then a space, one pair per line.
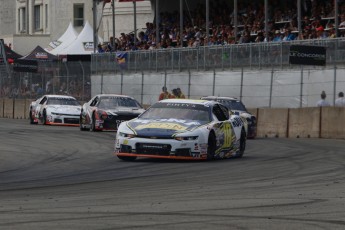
81, 125
31, 119
44, 119
243, 140
127, 158
211, 146
93, 126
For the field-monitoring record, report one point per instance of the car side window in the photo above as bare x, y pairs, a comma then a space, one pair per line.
43, 101
94, 102
219, 113
225, 111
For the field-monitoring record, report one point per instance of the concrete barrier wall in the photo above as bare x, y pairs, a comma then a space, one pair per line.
27, 108
304, 122
333, 122
314, 122
8, 108
272, 122
19, 109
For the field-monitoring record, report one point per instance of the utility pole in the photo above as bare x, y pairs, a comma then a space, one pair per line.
94, 10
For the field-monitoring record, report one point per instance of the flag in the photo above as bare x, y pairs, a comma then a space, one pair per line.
121, 58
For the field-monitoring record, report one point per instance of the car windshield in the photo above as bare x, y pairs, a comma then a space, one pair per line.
233, 104
111, 102
62, 101
200, 114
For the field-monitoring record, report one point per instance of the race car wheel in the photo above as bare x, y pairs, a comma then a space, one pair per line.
31, 118
211, 148
127, 158
242, 143
82, 128
44, 117
93, 124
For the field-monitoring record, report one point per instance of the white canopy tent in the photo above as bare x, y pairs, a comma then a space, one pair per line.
83, 44
64, 41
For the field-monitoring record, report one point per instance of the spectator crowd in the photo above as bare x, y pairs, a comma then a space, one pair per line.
317, 23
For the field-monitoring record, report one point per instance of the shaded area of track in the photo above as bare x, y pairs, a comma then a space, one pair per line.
62, 178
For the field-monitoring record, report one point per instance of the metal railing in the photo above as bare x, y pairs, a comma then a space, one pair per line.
250, 55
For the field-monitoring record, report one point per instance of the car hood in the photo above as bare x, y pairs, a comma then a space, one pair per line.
65, 109
163, 128
124, 110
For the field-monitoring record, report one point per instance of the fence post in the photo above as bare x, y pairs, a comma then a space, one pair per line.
281, 55
335, 84
189, 83
271, 89
121, 81
250, 56
214, 82
142, 87
241, 89
83, 90
102, 83
301, 92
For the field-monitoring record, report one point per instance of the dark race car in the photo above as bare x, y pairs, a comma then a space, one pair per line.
238, 108
107, 111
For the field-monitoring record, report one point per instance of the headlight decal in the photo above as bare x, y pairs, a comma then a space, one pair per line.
129, 127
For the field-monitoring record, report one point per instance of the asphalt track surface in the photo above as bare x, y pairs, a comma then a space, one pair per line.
61, 178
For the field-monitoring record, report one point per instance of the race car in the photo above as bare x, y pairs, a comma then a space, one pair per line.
237, 107
107, 111
182, 129
55, 110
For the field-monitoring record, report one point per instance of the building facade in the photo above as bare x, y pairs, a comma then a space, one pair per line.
28, 23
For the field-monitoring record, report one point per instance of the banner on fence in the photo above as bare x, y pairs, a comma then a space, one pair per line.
307, 55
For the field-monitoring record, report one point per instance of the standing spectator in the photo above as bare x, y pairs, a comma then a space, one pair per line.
48, 87
164, 94
340, 101
323, 102
180, 94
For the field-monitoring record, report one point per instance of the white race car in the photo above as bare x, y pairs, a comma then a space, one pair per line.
55, 110
182, 129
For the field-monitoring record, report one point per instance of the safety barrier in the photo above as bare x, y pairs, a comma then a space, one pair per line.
310, 122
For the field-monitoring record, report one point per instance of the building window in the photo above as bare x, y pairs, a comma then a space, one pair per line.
22, 20
37, 17
46, 18
78, 11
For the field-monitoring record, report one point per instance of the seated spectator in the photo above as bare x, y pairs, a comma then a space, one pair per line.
277, 36
288, 36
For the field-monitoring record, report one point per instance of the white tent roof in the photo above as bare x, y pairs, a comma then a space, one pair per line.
65, 40
83, 44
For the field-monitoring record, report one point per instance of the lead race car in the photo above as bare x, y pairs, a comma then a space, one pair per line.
55, 110
182, 129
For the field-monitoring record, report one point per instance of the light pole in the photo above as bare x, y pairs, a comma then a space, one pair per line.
94, 10
113, 12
